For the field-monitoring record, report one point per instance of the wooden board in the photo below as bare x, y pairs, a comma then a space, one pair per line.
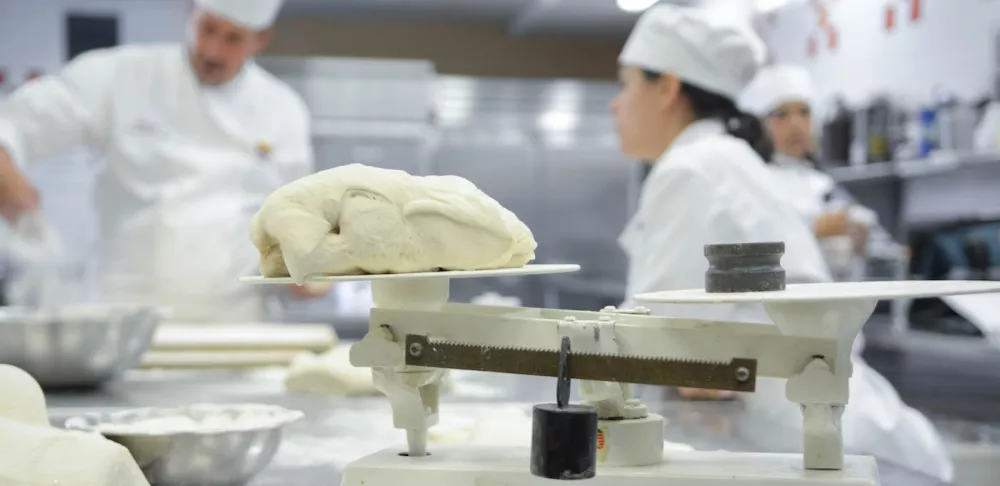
244, 337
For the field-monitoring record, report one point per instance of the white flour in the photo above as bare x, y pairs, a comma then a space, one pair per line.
198, 419
41, 275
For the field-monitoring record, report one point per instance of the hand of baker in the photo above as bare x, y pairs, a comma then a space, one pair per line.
703, 394
310, 290
859, 236
833, 223
17, 196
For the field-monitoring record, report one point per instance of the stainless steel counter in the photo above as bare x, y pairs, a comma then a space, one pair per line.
337, 430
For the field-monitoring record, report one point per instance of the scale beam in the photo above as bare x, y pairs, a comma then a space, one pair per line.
736, 375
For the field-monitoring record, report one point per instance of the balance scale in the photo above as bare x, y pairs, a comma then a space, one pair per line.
809, 344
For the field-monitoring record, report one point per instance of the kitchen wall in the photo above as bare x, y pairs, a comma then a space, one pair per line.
457, 50
950, 44
32, 37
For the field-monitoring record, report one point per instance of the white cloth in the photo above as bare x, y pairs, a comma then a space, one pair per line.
252, 14
774, 86
709, 187
721, 57
186, 167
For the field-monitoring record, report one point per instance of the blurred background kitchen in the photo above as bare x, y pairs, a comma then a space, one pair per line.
514, 94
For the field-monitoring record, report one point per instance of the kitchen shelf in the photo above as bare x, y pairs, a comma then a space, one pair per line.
938, 163
863, 173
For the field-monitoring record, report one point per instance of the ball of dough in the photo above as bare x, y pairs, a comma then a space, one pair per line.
45, 456
356, 219
23, 400
330, 373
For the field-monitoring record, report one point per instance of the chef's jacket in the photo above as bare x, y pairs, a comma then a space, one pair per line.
707, 188
186, 167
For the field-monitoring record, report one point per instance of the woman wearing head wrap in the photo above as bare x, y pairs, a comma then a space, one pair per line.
680, 72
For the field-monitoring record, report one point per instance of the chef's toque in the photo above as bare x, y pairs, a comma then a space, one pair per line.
718, 56
252, 14
774, 86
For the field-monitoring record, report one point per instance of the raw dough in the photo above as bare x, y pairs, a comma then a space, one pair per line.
44, 456
37, 454
356, 219
332, 373
23, 400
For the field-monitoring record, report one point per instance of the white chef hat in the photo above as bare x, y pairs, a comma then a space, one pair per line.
775, 85
252, 14
714, 55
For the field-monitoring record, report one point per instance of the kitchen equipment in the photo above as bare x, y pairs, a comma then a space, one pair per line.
837, 134
810, 345
207, 445
234, 346
204, 360
76, 346
955, 121
174, 336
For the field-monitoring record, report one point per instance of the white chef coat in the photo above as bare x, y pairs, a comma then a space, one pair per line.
710, 187
186, 167
813, 193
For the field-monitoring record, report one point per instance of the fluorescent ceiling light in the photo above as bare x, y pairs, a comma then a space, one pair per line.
635, 5
558, 121
770, 5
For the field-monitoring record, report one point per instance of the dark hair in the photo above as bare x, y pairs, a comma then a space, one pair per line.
708, 105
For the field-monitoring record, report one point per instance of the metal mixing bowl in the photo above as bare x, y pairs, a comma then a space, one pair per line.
203, 445
76, 346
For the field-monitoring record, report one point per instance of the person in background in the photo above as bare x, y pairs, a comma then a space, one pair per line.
680, 74
877, 421
194, 136
781, 96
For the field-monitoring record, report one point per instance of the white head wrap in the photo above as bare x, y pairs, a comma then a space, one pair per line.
714, 55
775, 85
252, 14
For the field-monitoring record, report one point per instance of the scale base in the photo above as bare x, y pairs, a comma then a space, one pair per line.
465, 465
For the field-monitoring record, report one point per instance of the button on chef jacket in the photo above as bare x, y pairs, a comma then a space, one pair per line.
186, 168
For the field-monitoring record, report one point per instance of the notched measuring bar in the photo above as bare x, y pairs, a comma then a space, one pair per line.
739, 374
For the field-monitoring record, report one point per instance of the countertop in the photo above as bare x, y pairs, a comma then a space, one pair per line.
338, 430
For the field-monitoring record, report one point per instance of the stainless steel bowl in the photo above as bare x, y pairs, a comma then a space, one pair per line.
211, 445
76, 346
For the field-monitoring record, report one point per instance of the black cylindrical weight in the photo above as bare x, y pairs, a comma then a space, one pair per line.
745, 267
564, 441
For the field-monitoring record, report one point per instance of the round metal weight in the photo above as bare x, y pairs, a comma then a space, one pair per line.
745, 267
564, 441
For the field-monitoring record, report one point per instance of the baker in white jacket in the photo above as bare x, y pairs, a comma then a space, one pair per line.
782, 97
680, 74
194, 136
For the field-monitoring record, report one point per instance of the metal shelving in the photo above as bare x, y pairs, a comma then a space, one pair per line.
938, 163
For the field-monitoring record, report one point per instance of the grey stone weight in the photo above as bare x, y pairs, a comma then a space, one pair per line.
744, 267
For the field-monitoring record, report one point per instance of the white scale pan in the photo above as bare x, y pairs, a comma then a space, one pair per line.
538, 269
